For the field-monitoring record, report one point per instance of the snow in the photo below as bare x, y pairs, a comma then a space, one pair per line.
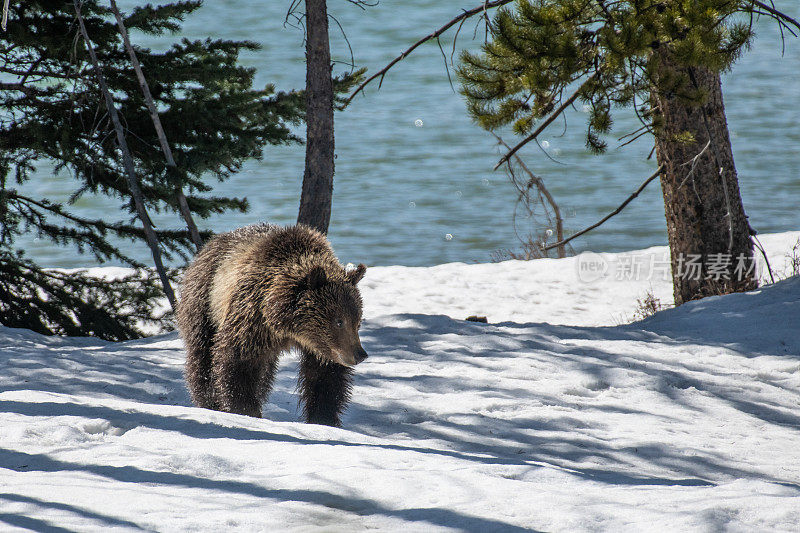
545, 290
554, 416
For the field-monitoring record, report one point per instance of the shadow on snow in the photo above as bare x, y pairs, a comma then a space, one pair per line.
568, 442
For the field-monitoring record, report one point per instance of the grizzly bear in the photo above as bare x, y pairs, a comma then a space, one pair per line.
256, 292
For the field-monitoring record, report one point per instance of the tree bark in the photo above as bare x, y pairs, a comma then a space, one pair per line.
703, 206
316, 199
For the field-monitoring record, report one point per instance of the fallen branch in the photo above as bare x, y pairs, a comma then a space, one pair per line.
463, 16
615, 212
127, 161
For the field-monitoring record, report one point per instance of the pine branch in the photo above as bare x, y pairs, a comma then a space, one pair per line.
75, 303
5, 69
547, 122
88, 232
212, 116
56, 209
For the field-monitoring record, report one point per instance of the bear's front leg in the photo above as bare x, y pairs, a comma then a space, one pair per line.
324, 388
242, 378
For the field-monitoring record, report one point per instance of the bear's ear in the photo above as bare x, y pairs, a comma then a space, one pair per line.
355, 275
315, 278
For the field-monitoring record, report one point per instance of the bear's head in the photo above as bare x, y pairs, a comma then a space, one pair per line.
328, 315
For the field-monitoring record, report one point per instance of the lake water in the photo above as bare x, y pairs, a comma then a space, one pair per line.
412, 169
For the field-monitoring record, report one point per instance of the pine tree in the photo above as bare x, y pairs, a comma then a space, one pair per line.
663, 58
51, 111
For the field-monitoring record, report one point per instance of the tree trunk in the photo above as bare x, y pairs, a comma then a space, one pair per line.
315, 202
709, 236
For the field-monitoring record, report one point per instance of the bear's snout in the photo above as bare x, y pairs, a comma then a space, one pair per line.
360, 355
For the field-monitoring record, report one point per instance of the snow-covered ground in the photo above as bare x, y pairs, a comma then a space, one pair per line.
555, 416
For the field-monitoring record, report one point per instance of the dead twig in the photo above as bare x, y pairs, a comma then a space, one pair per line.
540, 186
693, 161
763, 254
777, 15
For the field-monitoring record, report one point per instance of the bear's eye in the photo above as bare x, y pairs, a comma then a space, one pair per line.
339, 323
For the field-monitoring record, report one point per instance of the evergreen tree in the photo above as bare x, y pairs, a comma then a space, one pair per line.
661, 57
51, 110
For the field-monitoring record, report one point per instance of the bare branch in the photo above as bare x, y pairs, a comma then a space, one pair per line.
777, 15
693, 161
465, 15
5, 15
615, 212
636, 138
298, 19
352, 63
446, 67
363, 4
760, 247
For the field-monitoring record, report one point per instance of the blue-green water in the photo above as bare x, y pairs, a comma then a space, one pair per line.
400, 188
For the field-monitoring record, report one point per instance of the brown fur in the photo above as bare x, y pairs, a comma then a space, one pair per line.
255, 292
